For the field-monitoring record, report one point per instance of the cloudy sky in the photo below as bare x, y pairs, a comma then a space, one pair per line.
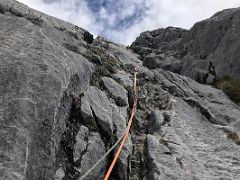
123, 20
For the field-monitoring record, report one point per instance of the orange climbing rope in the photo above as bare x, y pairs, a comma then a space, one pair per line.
122, 139
134, 109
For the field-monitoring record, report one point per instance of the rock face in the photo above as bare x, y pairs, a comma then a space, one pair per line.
65, 99
208, 50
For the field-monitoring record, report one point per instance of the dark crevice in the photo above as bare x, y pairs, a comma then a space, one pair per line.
179, 162
2, 10
131, 96
68, 141
205, 112
233, 136
202, 109
36, 20
211, 69
139, 159
99, 72
114, 175
15, 12
92, 57
104, 135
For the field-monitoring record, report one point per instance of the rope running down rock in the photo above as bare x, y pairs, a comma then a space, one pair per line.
123, 139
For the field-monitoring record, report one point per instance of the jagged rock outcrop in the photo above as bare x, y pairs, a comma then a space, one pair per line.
208, 50
65, 99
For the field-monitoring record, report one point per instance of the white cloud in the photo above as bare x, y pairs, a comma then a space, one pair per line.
159, 13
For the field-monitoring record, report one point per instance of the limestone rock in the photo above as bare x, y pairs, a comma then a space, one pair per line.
212, 40
57, 90
39, 77
101, 108
117, 91
95, 149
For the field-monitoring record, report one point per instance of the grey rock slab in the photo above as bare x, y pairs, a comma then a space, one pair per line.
195, 68
171, 64
95, 149
38, 78
122, 54
212, 102
199, 147
101, 109
118, 92
87, 114
124, 78
161, 165
207, 143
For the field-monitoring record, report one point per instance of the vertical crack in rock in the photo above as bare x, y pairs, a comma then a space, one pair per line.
138, 162
65, 157
104, 135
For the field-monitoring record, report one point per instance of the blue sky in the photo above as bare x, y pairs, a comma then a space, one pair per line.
123, 20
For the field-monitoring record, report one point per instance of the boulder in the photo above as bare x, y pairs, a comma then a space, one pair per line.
101, 109
118, 92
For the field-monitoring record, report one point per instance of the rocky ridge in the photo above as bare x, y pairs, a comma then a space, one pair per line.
65, 98
207, 51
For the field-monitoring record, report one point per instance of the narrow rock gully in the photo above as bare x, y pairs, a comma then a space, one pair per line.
138, 169
139, 131
138, 161
150, 99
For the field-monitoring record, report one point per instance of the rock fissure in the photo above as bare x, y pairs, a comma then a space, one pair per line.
68, 140
138, 161
104, 135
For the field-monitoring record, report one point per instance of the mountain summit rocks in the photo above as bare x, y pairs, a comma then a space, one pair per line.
65, 99
208, 50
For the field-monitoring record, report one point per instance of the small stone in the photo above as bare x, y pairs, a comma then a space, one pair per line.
59, 174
